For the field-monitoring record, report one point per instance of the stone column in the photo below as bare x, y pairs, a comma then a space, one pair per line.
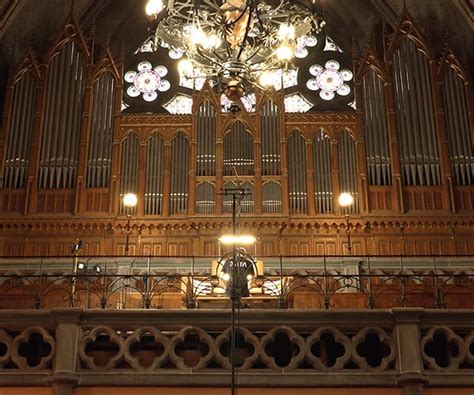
410, 363
68, 332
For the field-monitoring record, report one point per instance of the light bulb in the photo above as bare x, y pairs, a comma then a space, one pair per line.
185, 67
285, 52
130, 200
249, 277
345, 199
267, 79
226, 276
200, 38
154, 7
286, 32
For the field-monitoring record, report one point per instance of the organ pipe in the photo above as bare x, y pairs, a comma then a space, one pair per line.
179, 174
205, 198
376, 132
206, 140
347, 161
238, 151
270, 127
297, 173
419, 154
323, 192
99, 160
459, 132
154, 175
62, 120
271, 197
129, 170
18, 149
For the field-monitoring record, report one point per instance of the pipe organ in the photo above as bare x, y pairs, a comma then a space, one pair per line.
68, 155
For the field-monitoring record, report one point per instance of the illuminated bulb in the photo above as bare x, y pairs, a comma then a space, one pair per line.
200, 38
234, 239
284, 52
286, 32
130, 200
226, 276
154, 7
345, 199
249, 277
267, 79
185, 67
214, 41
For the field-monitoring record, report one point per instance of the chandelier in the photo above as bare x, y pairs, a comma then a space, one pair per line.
238, 45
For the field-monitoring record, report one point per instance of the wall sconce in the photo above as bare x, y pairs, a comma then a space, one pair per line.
345, 201
130, 201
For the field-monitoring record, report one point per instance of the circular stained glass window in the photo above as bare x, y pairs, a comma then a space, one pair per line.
311, 41
325, 95
315, 69
332, 65
329, 80
147, 81
312, 84
344, 90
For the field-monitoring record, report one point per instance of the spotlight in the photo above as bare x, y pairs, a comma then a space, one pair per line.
81, 266
97, 269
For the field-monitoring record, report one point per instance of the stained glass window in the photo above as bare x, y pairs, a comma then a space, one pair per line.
180, 104
329, 80
147, 81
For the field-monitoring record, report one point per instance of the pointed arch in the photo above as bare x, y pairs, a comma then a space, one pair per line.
323, 189
154, 174
238, 151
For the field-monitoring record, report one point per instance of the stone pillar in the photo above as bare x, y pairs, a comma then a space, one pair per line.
410, 363
65, 376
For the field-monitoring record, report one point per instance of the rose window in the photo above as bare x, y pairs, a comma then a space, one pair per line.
147, 81
329, 80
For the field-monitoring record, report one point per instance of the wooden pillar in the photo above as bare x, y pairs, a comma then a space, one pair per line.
335, 171
114, 198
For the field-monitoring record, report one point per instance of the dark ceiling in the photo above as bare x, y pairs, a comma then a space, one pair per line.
36, 24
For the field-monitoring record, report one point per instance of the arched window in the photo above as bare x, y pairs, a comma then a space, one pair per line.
458, 130
99, 159
179, 174
271, 197
419, 155
129, 170
17, 155
270, 127
206, 140
238, 151
62, 119
297, 173
323, 193
154, 175
346, 149
376, 131
205, 198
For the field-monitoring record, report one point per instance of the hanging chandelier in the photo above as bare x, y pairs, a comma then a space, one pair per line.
238, 45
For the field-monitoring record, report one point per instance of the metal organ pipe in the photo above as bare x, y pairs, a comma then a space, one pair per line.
419, 154
17, 156
179, 174
270, 127
457, 121
100, 143
238, 151
323, 192
348, 168
61, 131
205, 198
271, 197
129, 170
206, 139
154, 175
376, 131
297, 173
